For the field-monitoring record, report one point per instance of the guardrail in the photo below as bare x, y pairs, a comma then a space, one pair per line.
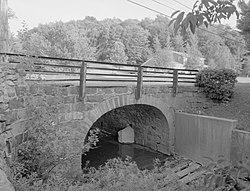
52, 69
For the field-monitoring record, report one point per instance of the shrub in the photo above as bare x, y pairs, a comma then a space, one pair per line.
47, 156
43, 161
222, 175
124, 175
217, 84
115, 175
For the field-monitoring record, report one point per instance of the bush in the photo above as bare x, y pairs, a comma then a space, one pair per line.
217, 84
47, 156
222, 175
43, 161
124, 175
115, 175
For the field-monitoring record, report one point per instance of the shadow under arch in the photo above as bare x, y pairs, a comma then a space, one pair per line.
150, 125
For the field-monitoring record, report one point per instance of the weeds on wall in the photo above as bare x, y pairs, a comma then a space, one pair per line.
44, 160
217, 84
47, 156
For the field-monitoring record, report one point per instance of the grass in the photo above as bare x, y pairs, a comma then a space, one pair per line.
238, 108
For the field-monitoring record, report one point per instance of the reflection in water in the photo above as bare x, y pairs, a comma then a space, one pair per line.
105, 150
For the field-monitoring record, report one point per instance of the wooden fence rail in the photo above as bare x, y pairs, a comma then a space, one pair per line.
52, 69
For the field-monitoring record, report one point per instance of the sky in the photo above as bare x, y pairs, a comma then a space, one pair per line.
35, 12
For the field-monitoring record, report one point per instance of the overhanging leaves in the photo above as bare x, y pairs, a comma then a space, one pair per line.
204, 11
178, 22
170, 23
174, 13
193, 23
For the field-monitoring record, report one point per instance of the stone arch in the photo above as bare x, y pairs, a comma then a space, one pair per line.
129, 99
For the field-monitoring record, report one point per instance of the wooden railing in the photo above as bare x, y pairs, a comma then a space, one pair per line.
95, 73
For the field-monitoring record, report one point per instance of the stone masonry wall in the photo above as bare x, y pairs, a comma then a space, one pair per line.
11, 76
16, 94
81, 115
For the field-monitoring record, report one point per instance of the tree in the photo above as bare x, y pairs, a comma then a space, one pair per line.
193, 60
220, 58
244, 22
232, 38
11, 14
164, 58
14, 43
159, 29
177, 42
4, 28
207, 41
192, 49
110, 41
156, 44
57, 40
117, 53
246, 67
135, 39
214, 50
204, 12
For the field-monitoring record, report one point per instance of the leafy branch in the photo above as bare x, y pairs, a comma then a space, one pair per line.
203, 12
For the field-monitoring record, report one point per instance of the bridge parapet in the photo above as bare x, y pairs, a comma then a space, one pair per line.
87, 73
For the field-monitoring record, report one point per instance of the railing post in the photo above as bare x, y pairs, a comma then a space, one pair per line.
175, 82
139, 83
83, 73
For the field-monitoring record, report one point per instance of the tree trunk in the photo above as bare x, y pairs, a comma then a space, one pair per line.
4, 36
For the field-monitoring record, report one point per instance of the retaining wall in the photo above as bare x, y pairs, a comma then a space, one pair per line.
240, 152
201, 137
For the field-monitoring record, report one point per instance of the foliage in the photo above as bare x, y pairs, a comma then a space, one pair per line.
217, 84
11, 14
177, 43
117, 53
194, 60
136, 43
115, 175
244, 22
51, 149
246, 68
57, 39
218, 51
119, 175
223, 176
130, 41
237, 46
158, 29
164, 58
204, 12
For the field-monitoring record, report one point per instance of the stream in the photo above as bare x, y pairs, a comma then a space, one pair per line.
105, 150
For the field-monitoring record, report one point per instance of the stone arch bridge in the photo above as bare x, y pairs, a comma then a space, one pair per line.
81, 106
